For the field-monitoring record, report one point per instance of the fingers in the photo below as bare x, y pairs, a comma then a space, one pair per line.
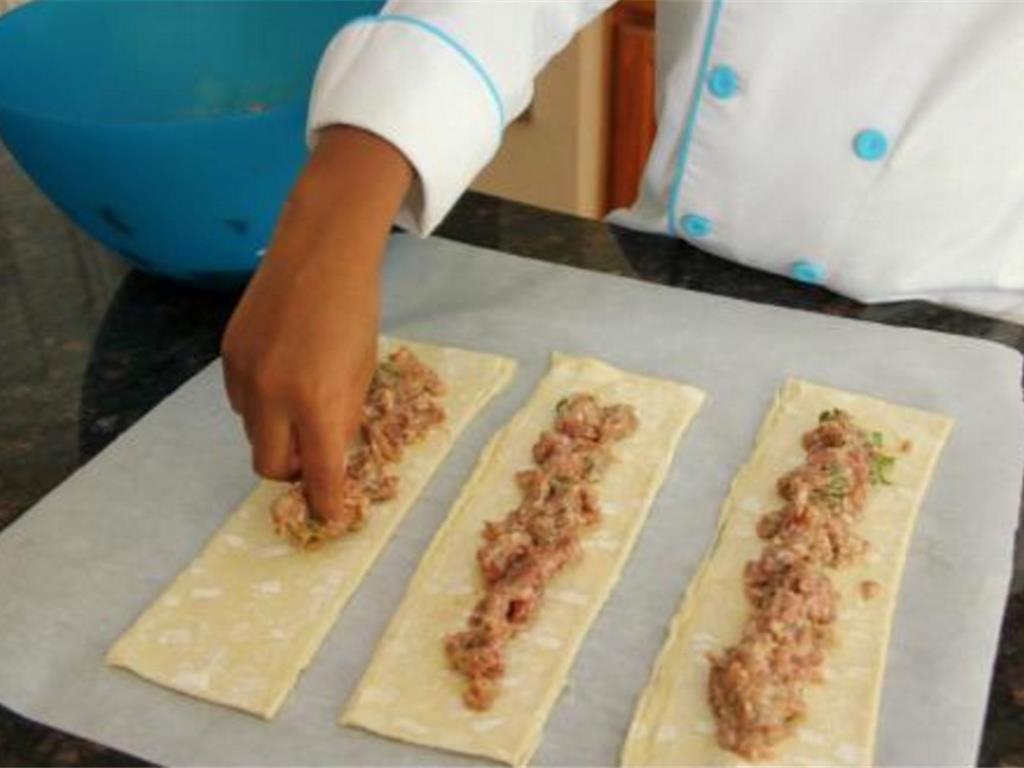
274, 447
323, 439
267, 424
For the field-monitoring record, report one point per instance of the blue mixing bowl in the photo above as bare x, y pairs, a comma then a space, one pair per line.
170, 131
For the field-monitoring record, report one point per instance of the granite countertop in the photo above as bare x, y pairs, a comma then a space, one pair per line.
89, 345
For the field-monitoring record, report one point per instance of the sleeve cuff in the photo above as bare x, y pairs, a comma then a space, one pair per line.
410, 83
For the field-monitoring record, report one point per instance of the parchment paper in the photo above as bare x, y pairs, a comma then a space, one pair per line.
76, 569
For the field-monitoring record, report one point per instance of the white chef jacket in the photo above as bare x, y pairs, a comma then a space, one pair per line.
876, 147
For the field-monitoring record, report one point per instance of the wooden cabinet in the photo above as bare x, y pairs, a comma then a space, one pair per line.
632, 112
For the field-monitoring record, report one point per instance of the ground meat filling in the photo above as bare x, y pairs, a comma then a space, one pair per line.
401, 407
868, 589
538, 538
756, 687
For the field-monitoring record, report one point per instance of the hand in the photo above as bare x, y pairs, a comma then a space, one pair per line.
301, 346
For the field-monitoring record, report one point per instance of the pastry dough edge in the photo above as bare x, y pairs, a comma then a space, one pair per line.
790, 388
890, 615
114, 657
505, 369
696, 398
349, 718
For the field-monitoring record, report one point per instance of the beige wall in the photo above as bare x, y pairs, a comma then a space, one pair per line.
6, 5
555, 158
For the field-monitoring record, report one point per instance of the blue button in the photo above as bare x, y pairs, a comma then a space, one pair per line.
696, 226
807, 272
870, 145
723, 81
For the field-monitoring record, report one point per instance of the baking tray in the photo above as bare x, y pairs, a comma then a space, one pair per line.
78, 568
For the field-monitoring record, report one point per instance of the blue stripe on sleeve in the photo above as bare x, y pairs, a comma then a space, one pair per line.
452, 43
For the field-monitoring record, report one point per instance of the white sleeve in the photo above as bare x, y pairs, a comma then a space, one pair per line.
440, 80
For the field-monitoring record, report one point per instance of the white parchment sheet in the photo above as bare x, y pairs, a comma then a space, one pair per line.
77, 569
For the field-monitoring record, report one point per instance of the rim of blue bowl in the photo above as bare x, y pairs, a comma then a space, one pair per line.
226, 117
36, 114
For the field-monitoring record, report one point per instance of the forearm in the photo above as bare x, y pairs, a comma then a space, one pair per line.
345, 201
